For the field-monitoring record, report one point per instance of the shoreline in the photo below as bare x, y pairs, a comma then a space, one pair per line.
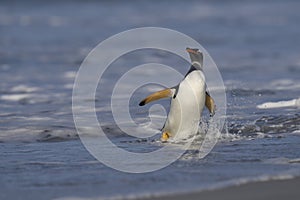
272, 189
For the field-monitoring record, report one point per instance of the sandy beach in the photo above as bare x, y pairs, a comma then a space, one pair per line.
275, 190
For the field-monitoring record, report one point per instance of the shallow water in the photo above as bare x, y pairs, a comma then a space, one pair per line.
255, 45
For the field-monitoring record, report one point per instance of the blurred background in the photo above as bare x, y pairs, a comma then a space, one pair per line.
255, 44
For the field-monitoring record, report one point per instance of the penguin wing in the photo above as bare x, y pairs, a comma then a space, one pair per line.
156, 96
210, 104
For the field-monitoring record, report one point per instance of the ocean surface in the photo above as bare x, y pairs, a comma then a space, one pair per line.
255, 45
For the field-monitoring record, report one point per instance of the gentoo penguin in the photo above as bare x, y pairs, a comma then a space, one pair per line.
187, 103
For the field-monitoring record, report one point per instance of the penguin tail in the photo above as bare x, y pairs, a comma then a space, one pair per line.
156, 96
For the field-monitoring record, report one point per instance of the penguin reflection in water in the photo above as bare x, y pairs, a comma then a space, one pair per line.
188, 100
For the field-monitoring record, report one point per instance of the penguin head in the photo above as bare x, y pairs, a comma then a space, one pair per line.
196, 57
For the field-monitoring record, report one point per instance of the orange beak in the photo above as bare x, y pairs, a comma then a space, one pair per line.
191, 51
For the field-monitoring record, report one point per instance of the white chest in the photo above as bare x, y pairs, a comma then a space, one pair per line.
186, 108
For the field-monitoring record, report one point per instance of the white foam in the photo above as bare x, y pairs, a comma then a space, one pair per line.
24, 88
14, 97
280, 160
19, 92
296, 132
280, 104
70, 74
19, 134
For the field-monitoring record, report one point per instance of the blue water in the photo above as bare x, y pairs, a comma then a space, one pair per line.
42, 44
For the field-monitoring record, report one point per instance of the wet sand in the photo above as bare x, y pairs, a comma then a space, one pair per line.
275, 189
